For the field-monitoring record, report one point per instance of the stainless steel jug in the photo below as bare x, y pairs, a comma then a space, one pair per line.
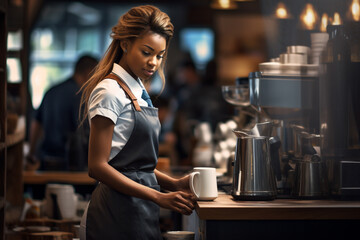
253, 177
310, 178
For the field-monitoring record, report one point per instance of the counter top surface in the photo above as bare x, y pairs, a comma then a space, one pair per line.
225, 208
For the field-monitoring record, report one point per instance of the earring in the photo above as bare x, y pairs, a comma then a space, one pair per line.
125, 51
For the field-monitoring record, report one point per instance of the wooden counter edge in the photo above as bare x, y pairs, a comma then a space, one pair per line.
226, 209
44, 177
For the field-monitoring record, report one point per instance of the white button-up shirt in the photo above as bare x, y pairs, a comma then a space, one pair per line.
109, 100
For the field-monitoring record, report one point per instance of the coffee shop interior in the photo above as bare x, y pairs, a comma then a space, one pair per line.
264, 91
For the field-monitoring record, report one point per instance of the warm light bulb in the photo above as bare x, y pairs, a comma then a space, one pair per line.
337, 19
281, 11
355, 10
324, 22
309, 17
223, 4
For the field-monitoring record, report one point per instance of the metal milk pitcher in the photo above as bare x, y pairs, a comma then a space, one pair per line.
253, 177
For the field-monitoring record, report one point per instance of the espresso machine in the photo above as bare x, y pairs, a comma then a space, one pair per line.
316, 103
283, 96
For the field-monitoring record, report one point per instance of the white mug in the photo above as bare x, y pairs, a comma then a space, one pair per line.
67, 200
203, 183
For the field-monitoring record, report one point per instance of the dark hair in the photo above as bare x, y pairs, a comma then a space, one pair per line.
85, 64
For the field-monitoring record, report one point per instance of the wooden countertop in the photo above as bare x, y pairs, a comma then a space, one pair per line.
225, 208
44, 177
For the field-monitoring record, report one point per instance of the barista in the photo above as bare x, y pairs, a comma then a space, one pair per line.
124, 128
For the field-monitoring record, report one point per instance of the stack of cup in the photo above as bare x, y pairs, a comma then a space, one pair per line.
295, 55
225, 143
203, 151
318, 43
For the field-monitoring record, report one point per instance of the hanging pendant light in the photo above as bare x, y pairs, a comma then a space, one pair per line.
309, 17
223, 4
354, 11
337, 19
324, 22
281, 11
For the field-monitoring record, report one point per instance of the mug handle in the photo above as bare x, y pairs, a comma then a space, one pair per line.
191, 183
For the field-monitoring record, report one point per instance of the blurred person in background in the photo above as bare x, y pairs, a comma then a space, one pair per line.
205, 101
199, 99
167, 137
56, 143
185, 80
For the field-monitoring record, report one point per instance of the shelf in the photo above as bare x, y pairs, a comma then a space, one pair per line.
2, 203
44, 177
17, 136
14, 54
2, 9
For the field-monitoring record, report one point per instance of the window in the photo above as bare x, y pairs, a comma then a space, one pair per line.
199, 42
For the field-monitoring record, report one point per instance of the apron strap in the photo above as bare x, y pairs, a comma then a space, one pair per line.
126, 89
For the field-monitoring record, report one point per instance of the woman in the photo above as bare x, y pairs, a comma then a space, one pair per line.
124, 134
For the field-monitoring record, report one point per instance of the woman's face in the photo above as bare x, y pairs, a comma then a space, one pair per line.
144, 55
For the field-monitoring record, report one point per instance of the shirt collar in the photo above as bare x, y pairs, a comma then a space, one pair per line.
136, 86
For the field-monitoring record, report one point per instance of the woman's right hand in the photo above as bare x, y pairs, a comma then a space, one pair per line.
32, 163
178, 201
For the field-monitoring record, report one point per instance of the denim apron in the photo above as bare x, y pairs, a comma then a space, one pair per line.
113, 215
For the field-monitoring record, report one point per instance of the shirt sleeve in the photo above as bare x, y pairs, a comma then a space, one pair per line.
107, 100
38, 112
44, 106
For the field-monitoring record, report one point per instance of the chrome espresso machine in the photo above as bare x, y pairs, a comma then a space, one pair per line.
285, 92
312, 94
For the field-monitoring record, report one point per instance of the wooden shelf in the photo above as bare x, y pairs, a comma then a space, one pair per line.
17, 136
14, 54
2, 203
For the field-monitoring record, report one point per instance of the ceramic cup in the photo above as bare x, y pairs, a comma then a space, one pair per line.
180, 235
203, 183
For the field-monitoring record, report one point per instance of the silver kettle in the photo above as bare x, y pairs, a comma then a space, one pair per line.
253, 177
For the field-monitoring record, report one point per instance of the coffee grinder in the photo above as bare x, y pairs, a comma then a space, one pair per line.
339, 88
